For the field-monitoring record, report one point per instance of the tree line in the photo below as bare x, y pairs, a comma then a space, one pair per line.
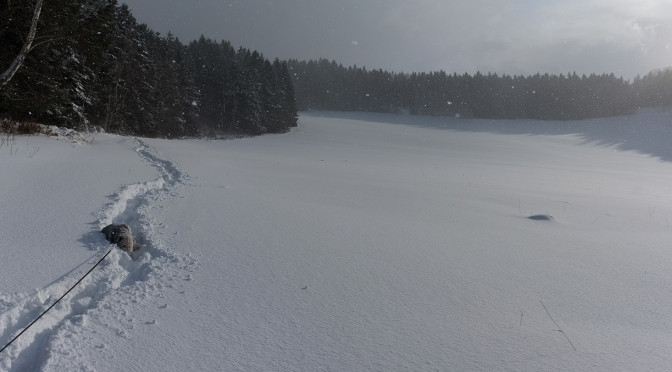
327, 85
92, 64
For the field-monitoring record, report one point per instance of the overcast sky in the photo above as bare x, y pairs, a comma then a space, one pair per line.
626, 37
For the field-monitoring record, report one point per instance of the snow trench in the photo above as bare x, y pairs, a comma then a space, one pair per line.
104, 296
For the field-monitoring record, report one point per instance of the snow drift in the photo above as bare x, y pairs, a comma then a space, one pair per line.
355, 242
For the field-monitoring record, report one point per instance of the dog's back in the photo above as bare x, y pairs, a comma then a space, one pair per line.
120, 234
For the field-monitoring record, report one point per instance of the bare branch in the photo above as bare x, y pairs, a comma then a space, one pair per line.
556, 324
6, 76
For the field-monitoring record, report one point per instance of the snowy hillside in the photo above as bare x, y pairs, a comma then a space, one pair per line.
355, 242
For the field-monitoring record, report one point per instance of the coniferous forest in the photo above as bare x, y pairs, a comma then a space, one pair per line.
93, 64
327, 85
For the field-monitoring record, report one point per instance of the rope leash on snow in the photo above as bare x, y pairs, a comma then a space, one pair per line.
57, 301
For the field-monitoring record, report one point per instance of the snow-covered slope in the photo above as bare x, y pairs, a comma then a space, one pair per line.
356, 242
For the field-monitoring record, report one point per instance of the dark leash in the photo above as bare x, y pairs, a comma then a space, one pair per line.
57, 301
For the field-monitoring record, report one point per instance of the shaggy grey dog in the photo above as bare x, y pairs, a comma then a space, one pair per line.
120, 234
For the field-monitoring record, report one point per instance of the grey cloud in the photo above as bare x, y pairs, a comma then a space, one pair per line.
515, 37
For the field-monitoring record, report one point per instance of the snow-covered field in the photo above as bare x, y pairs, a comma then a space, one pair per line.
356, 242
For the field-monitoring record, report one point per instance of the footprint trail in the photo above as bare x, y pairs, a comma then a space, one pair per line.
104, 296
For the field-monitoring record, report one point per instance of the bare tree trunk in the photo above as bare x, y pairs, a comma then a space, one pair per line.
6, 76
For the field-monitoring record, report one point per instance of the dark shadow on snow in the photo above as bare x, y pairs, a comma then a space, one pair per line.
648, 131
540, 217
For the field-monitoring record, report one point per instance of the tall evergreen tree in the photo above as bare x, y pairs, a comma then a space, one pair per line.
325, 85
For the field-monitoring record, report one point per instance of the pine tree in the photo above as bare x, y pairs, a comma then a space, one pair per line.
92, 63
288, 115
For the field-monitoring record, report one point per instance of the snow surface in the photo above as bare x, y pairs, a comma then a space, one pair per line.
355, 242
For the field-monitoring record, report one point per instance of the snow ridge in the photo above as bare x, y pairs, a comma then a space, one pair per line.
107, 294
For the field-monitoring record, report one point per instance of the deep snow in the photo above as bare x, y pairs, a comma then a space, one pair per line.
355, 242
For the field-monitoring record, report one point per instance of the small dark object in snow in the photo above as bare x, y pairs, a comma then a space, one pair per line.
120, 234
540, 217
306, 287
